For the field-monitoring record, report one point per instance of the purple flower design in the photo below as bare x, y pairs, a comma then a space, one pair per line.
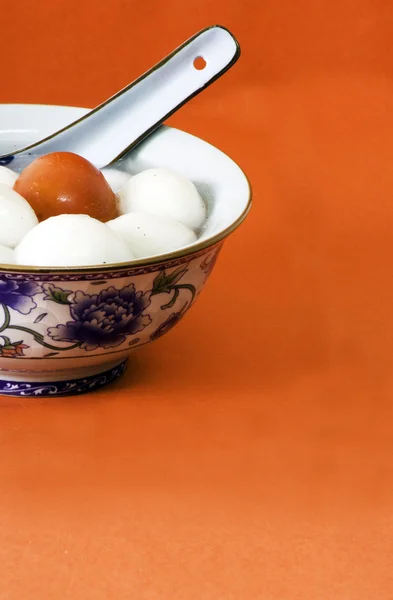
166, 325
18, 295
104, 320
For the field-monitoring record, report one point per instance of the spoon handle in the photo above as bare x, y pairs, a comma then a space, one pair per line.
120, 123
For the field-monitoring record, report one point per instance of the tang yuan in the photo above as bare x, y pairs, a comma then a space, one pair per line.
115, 178
163, 193
148, 235
7, 176
66, 183
17, 217
71, 241
64, 212
7, 256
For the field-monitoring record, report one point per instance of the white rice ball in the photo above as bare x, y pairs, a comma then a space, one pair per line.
163, 193
71, 241
7, 176
115, 178
17, 217
147, 235
6, 256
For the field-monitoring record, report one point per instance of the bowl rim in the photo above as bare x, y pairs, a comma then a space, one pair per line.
190, 250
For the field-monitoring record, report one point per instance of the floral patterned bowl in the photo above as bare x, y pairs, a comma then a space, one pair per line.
69, 331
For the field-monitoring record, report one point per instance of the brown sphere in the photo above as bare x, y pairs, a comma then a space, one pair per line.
65, 183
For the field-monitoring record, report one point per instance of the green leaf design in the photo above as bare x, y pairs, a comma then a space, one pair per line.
56, 294
171, 302
40, 317
39, 338
189, 287
176, 276
163, 283
159, 284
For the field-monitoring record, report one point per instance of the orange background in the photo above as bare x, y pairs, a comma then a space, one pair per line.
248, 454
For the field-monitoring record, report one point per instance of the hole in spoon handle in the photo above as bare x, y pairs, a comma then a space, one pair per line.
199, 63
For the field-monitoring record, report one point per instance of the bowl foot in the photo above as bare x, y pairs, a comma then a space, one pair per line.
17, 385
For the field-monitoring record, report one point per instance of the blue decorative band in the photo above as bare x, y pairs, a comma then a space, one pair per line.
69, 387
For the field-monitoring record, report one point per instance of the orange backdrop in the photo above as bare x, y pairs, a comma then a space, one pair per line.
248, 454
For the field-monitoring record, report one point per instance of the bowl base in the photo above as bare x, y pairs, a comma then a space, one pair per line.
12, 384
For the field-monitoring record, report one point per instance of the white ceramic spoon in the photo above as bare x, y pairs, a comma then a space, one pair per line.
113, 128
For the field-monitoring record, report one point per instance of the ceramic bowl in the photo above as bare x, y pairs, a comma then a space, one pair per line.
60, 329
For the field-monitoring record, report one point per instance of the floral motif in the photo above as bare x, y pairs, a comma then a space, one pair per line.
91, 321
105, 319
12, 350
19, 295
56, 294
166, 325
